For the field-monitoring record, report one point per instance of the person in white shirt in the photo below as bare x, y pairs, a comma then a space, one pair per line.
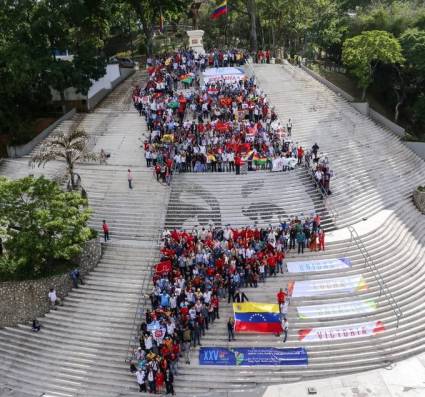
285, 328
141, 379
148, 343
53, 299
289, 127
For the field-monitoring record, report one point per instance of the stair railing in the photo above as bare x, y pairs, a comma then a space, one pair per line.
370, 264
333, 213
143, 298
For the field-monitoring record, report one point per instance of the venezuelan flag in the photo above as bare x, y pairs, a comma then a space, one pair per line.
257, 317
220, 10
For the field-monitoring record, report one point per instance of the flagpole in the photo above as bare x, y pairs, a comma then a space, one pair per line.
226, 25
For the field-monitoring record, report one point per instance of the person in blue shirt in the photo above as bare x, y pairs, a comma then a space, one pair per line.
165, 299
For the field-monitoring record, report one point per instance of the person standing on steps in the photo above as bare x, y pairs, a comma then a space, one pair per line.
169, 379
289, 127
141, 379
238, 162
321, 240
240, 297
301, 241
285, 327
53, 299
105, 228
281, 297
230, 328
130, 178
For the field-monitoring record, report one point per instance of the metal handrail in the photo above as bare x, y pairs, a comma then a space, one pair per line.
325, 196
141, 303
383, 288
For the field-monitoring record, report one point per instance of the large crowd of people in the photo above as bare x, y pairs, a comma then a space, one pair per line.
198, 270
214, 127
217, 126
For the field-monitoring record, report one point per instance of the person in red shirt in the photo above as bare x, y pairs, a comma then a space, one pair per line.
280, 256
105, 228
238, 163
281, 297
215, 303
300, 154
271, 262
159, 381
321, 240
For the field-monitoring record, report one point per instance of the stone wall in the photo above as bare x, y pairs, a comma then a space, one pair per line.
22, 301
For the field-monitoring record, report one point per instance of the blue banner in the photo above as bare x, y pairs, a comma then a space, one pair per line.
252, 356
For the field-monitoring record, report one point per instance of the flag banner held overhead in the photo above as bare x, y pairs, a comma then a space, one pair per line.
227, 74
252, 356
337, 309
257, 317
328, 286
318, 265
359, 330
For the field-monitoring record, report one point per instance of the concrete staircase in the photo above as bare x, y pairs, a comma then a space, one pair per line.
260, 198
82, 347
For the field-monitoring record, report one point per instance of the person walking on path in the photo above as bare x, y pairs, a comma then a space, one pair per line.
285, 327
76, 277
230, 328
130, 179
105, 228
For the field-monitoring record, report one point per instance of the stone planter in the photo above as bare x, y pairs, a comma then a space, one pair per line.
419, 199
22, 301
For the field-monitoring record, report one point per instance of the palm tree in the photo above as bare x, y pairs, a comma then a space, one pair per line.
71, 147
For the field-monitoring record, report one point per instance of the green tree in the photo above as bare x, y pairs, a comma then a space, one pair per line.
71, 147
364, 52
78, 27
413, 44
40, 226
149, 12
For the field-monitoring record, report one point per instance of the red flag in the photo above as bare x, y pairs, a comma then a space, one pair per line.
164, 267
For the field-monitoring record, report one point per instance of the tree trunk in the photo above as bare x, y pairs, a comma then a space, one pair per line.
63, 104
400, 100
364, 93
252, 12
149, 40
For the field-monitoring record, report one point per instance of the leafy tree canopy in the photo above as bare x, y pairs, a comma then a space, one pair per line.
40, 226
363, 53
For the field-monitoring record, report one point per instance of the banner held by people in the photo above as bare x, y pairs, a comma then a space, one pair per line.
257, 317
328, 286
252, 356
318, 265
339, 309
350, 331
